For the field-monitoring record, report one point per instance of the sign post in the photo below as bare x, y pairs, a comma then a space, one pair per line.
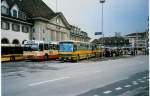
100, 33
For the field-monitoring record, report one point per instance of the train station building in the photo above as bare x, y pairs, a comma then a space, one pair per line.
23, 20
77, 34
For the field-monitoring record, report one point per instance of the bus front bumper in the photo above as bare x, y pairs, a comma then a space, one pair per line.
34, 57
69, 57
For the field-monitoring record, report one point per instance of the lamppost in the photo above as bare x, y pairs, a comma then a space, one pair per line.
102, 2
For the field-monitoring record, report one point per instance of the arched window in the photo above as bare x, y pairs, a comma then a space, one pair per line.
25, 29
5, 41
5, 25
33, 38
4, 9
24, 41
15, 41
16, 27
14, 13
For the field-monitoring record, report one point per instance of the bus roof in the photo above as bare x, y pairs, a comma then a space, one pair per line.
10, 45
73, 41
34, 41
52, 42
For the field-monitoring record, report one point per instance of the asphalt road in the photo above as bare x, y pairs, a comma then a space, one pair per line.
88, 78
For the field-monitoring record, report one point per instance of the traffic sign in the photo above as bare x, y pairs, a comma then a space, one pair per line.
98, 33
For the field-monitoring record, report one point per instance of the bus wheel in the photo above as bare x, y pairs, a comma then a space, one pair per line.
12, 58
78, 58
95, 55
87, 56
46, 57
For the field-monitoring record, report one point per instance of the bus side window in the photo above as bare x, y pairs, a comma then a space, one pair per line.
41, 47
75, 47
45, 46
87, 46
50, 46
54, 47
57, 47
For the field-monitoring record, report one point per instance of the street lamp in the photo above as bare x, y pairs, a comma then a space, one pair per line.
102, 1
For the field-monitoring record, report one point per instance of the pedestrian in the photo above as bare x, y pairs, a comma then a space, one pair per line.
111, 53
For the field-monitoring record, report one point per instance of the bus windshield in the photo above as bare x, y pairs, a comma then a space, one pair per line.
66, 47
31, 47
11, 50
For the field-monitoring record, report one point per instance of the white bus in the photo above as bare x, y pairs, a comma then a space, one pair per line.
40, 50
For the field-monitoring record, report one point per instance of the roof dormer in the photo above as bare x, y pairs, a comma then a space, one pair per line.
14, 11
4, 7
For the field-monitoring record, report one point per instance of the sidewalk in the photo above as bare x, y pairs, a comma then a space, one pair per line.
142, 91
111, 58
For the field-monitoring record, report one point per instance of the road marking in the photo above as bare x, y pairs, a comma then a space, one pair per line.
135, 83
95, 95
127, 86
139, 79
15, 72
42, 82
97, 71
142, 81
118, 88
144, 87
144, 77
12, 72
107, 92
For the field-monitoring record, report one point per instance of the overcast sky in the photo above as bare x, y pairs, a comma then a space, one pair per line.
125, 16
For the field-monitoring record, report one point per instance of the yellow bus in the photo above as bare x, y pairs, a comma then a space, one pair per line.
11, 52
40, 50
97, 50
76, 50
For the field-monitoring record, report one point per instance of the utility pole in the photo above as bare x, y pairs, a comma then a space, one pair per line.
136, 49
102, 1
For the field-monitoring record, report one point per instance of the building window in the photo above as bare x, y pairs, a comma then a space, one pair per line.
4, 10
25, 29
33, 30
22, 15
53, 35
5, 25
14, 13
57, 36
15, 27
4, 41
58, 27
15, 41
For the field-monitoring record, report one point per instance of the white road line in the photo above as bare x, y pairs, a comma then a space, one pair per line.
144, 77
118, 88
95, 95
135, 83
42, 82
15, 72
139, 79
107, 92
12, 72
142, 81
97, 71
127, 86
144, 87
